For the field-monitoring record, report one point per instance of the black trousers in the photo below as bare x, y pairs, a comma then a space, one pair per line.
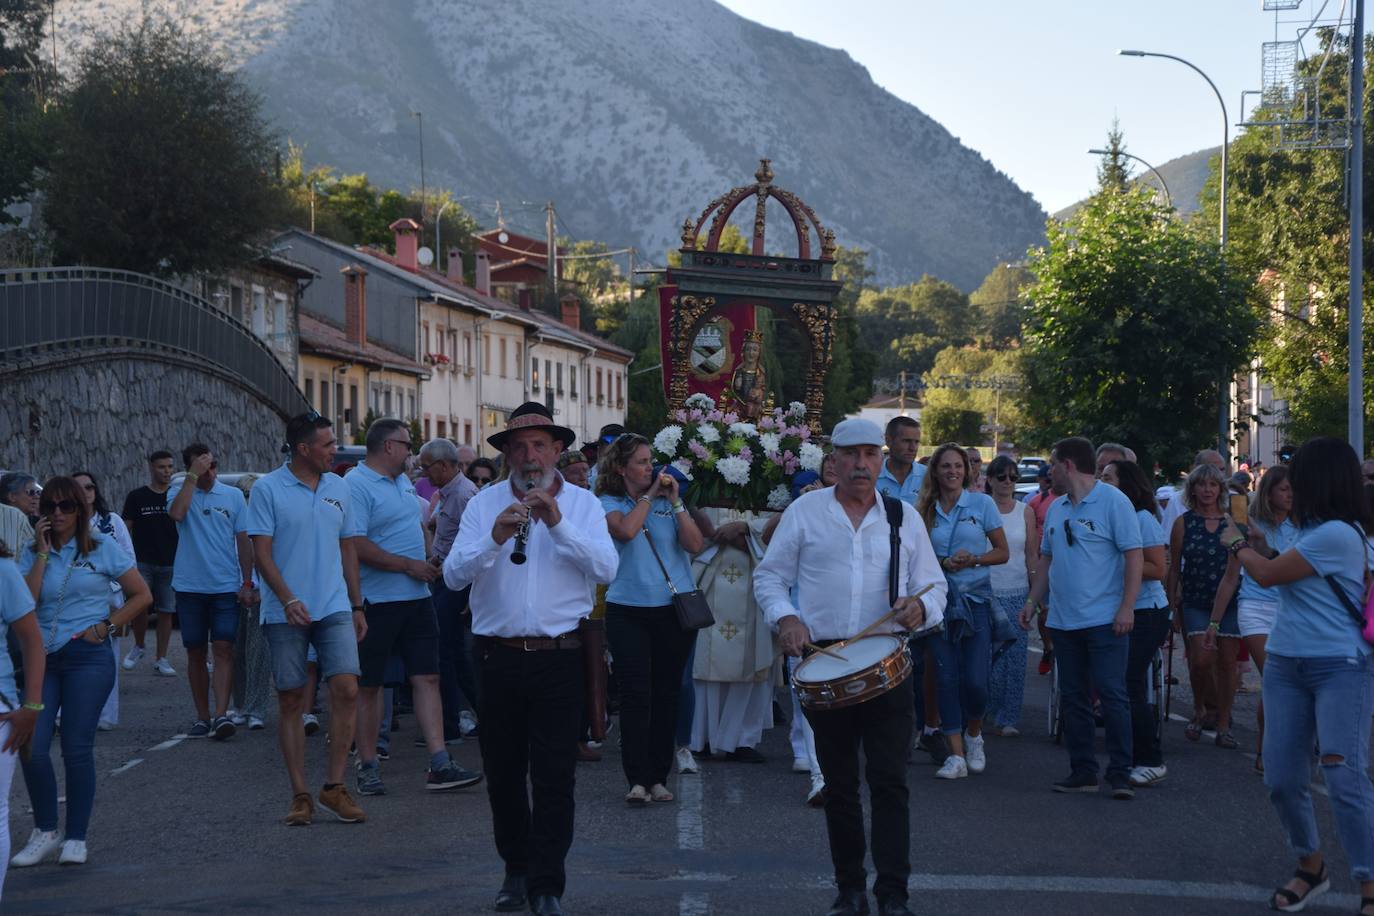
1150, 630
650, 650
882, 728
530, 709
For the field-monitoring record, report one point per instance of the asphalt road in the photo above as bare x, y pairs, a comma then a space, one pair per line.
193, 826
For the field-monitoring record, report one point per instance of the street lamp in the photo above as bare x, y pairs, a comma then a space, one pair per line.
1168, 198
1224, 398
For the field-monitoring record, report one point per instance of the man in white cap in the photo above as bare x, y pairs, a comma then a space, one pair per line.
840, 592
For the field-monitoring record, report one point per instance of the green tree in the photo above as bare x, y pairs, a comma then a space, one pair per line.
26, 79
1133, 322
905, 326
1114, 171
981, 381
160, 159
998, 306
1289, 226
951, 424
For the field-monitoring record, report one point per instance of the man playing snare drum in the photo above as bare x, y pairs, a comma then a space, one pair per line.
839, 594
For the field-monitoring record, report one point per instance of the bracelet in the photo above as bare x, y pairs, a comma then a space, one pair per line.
359, 608
1238, 545
1214, 624
36, 707
678, 506
291, 602
248, 583
190, 475
644, 499
41, 554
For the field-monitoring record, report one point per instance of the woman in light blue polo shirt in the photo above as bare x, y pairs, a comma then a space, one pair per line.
18, 715
68, 569
649, 647
966, 532
1319, 676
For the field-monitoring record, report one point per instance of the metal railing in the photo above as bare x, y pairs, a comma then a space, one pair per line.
54, 309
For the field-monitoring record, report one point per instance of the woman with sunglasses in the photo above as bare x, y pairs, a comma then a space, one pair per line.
1200, 572
18, 714
966, 532
1151, 621
107, 524
1010, 585
649, 647
69, 569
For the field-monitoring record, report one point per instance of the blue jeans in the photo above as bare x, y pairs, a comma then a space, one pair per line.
207, 617
1007, 683
962, 671
1094, 655
333, 639
1330, 699
77, 680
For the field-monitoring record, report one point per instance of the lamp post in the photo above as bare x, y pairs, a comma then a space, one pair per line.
1224, 396
1168, 198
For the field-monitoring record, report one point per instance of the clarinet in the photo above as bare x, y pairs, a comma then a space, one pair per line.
522, 534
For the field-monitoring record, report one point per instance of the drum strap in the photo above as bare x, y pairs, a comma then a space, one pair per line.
894, 562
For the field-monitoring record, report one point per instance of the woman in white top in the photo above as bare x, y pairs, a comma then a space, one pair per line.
1010, 585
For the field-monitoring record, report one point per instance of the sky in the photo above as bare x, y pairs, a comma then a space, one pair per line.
1033, 85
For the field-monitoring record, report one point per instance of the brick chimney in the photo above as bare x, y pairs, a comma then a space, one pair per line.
407, 242
483, 273
455, 265
355, 305
526, 299
572, 311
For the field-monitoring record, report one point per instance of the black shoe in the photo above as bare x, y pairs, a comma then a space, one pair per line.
1077, 782
937, 745
511, 896
849, 903
893, 907
1121, 786
545, 905
745, 755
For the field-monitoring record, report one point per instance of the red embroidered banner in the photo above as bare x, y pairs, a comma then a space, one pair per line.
715, 351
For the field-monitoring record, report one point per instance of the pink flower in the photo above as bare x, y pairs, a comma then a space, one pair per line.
746, 454
804, 432
680, 416
788, 456
714, 416
730, 418
790, 466
766, 423
696, 448
695, 415
774, 457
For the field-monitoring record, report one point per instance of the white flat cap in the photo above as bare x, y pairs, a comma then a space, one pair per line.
855, 431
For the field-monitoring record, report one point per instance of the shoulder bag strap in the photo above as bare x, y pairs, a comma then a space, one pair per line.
669, 579
894, 524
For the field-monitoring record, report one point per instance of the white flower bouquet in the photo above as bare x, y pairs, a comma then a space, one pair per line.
733, 463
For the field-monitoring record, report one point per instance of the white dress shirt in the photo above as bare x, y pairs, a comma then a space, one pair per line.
549, 593
840, 573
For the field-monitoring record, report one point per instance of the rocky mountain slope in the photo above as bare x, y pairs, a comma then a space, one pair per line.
629, 114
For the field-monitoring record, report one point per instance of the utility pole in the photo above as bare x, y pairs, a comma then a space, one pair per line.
901, 392
1355, 415
552, 241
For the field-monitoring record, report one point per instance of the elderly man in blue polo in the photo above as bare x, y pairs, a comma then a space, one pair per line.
1091, 563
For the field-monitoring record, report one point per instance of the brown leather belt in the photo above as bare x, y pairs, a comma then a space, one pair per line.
568, 640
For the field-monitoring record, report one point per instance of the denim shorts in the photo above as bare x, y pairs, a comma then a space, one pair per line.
159, 579
1196, 619
213, 616
333, 639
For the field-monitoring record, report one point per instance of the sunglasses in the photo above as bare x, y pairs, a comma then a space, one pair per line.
1068, 532
32, 491
1004, 477
65, 506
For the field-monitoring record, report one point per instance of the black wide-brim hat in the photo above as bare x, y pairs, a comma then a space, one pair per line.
532, 415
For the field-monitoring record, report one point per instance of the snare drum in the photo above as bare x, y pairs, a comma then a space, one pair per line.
872, 666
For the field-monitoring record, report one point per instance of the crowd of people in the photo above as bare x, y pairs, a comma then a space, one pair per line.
527, 600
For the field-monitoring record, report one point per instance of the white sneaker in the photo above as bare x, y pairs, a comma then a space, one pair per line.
73, 853
1148, 776
255, 723
801, 765
134, 657
210, 665
686, 763
973, 750
238, 718
955, 767
466, 721
311, 722
105, 725
816, 797
42, 843
163, 668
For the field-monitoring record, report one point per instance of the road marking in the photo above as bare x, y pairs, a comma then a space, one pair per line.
694, 904
734, 790
691, 832
128, 766
169, 743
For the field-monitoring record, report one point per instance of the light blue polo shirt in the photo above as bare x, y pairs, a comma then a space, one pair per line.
1311, 621
384, 510
1151, 594
639, 581
1280, 539
207, 559
15, 602
908, 489
305, 526
965, 527
85, 600
1086, 578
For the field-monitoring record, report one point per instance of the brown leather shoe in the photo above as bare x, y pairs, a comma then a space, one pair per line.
337, 801
587, 754
302, 811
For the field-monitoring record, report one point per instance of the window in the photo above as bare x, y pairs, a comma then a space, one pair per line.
519, 360
467, 431
236, 302
259, 311
467, 351
353, 404
548, 380
386, 401
426, 426
589, 381
560, 378
486, 354
600, 390
279, 318
502, 347
443, 430
310, 392
324, 399
619, 389
534, 373
410, 404
424, 330
572, 381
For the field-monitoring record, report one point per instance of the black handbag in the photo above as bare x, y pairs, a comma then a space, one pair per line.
693, 613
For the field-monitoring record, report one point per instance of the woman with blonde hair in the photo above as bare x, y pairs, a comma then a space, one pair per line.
1202, 583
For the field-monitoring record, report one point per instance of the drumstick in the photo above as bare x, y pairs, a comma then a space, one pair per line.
815, 648
886, 617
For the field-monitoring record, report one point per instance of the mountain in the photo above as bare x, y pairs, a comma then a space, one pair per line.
629, 114
1185, 177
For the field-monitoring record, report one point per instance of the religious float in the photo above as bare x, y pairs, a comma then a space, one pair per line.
724, 435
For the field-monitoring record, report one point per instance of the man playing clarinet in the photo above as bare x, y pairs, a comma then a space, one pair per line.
533, 548
834, 547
